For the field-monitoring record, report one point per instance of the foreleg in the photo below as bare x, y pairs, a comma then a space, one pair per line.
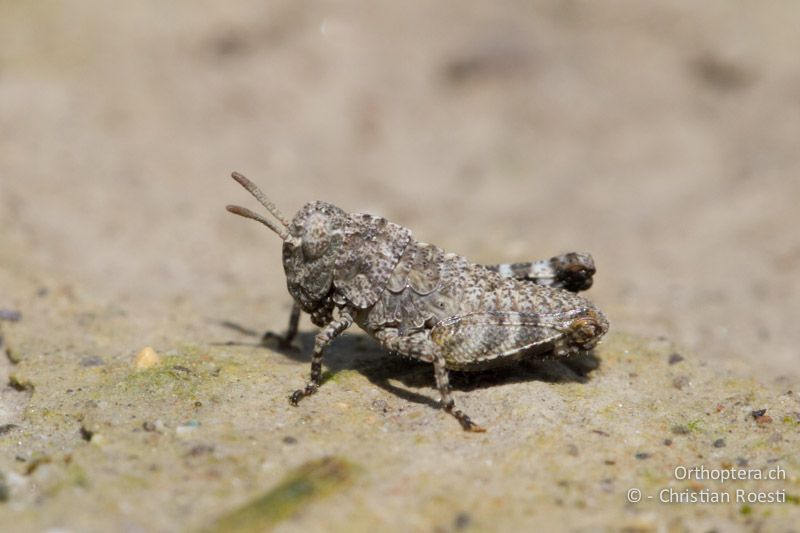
323, 338
285, 340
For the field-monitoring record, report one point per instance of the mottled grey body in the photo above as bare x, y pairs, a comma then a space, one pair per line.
477, 316
424, 303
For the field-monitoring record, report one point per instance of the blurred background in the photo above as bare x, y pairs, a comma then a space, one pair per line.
664, 138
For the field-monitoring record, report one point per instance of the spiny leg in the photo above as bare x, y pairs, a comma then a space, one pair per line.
419, 346
448, 404
285, 340
572, 271
323, 338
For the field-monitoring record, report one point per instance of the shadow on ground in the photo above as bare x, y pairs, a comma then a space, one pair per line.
361, 354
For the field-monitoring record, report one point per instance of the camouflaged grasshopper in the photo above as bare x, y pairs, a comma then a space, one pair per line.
418, 301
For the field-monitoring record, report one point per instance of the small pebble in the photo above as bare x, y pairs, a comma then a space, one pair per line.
761, 417
201, 449
11, 315
183, 431
147, 358
35, 462
675, 358
380, 405
462, 521
719, 443
680, 382
288, 439
572, 450
187, 429
86, 433
667, 442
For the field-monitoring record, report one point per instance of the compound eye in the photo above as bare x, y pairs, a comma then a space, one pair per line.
316, 240
313, 249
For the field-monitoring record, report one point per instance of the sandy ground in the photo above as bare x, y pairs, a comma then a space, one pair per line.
663, 138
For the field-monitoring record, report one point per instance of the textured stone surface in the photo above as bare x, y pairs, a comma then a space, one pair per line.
210, 428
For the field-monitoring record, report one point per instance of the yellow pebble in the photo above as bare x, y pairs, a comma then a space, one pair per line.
147, 358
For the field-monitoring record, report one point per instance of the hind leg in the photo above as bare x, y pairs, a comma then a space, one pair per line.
420, 346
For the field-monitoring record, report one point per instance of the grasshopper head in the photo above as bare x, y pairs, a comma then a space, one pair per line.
316, 234
310, 244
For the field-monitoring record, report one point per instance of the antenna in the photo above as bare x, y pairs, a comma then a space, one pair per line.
283, 233
261, 197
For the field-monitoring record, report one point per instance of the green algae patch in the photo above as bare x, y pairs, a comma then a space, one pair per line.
694, 426
791, 421
302, 486
175, 375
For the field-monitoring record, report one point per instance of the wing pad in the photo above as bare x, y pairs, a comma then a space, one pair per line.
476, 340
